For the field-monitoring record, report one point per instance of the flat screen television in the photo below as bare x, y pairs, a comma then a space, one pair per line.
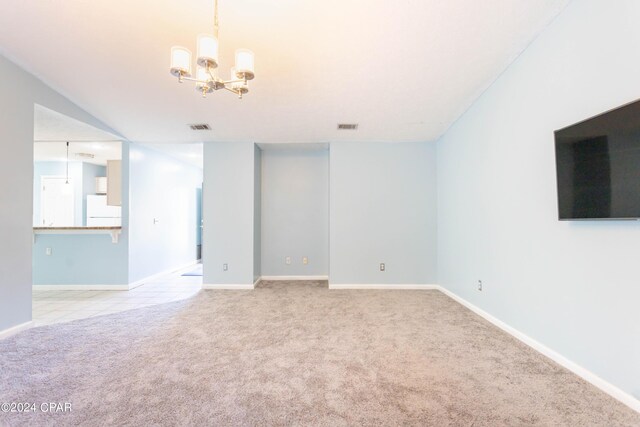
598, 166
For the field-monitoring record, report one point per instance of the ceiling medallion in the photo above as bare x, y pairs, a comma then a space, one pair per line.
206, 77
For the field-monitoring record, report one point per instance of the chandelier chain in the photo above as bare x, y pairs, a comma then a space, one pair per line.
215, 18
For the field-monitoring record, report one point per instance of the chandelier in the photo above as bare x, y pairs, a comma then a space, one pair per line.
206, 76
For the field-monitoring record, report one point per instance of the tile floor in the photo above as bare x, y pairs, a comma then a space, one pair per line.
63, 306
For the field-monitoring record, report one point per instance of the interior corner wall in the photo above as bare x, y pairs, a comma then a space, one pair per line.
383, 209
20, 91
295, 212
228, 213
572, 286
163, 212
257, 213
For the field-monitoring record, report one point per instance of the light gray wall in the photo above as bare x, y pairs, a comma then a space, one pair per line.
79, 259
383, 210
166, 189
228, 198
572, 286
257, 215
20, 90
295, 212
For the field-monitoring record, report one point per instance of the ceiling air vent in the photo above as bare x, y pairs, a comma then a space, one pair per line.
86, 155
347, 126
200, 126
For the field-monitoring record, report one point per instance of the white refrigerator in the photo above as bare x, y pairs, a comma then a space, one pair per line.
99, 214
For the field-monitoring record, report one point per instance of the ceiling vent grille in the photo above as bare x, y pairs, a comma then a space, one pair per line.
86, 155
200, 126
347, 126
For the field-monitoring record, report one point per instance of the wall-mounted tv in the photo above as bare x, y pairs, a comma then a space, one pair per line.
598, 166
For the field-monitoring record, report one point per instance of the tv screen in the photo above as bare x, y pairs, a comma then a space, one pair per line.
598, 166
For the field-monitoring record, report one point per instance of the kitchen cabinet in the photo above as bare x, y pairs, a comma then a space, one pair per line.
114, 182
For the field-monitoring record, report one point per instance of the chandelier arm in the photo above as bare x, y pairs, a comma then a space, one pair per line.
214, 78
227, 82
232, 90
191, 79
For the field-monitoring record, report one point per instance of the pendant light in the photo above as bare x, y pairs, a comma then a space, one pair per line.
66, 189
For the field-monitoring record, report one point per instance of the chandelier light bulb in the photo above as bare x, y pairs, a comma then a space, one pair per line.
207, 51
240, 85
180, 61
244, 64
202, 80
233, 75
201, 75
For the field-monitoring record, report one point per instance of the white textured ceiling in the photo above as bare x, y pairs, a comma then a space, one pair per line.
52, 130
187, 152
403, 70
57, 152
51, 126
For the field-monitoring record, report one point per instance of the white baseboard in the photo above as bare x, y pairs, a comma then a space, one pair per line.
400, 286
232, 286
142, 281
274, 278
583, 373
15, 329
80, 287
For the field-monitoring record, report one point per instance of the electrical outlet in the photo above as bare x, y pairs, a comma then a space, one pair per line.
48, 251
305, 260
382, 266
225, 267
480, 285
287, 260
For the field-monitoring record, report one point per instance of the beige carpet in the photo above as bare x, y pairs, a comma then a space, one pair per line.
295, 353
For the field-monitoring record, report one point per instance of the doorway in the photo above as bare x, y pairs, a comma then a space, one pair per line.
57, 196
